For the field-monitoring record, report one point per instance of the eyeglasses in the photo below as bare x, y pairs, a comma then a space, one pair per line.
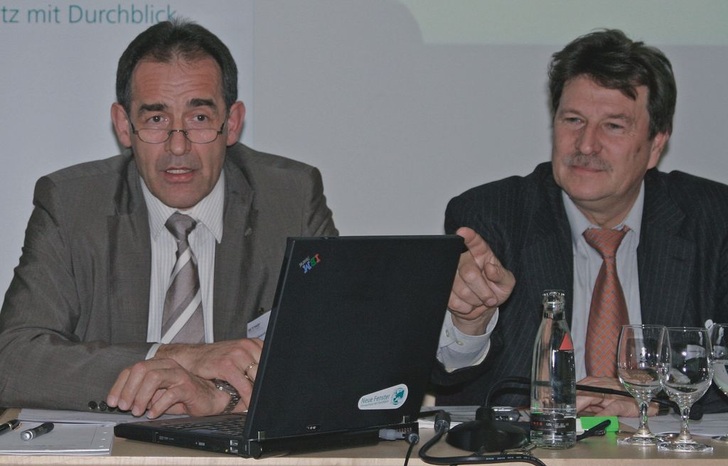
159, 136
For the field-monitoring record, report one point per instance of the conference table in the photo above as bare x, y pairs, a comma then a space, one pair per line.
596, 451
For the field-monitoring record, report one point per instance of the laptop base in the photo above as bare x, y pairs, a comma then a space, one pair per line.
176, 434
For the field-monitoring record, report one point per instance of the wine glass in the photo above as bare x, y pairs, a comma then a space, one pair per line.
719, 340
688, 377
642, 354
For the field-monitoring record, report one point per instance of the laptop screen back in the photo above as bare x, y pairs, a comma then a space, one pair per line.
353, 333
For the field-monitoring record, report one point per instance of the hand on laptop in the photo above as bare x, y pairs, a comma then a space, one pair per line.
234, 361
481, 285
178, 380
159, 386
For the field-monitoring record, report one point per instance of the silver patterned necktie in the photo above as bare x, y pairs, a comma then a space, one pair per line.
182, 320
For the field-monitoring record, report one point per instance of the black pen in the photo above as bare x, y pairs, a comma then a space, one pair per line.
36, 431
8, 426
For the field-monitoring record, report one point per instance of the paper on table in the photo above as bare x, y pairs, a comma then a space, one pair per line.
64, 439
709, 425
78, 417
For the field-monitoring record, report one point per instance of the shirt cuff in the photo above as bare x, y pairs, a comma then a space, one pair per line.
458, 350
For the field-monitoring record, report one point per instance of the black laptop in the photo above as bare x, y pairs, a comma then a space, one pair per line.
348, 351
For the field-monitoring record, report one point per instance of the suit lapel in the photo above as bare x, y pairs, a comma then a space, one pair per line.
129, 258
665, 260
231, 265
549, 257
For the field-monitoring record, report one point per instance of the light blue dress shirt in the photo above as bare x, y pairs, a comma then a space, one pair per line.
458, 350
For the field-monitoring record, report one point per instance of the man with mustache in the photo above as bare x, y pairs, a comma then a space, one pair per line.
612, 101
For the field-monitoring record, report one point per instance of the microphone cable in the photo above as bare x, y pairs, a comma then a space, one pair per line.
413, 439
442, 426
696, 411
520, 381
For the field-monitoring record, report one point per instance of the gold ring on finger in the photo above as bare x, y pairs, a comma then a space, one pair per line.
245, 371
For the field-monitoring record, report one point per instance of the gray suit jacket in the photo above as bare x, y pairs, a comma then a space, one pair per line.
682, 261
76, 311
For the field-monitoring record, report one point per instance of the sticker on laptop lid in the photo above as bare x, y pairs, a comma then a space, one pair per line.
388, 398
309, 263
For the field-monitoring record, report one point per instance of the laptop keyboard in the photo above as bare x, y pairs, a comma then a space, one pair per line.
232, 425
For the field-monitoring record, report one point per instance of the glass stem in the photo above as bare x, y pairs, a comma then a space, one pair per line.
685, 436
643, 430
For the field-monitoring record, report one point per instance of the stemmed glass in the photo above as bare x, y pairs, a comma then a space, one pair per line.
719, 340
690, 371
642, 354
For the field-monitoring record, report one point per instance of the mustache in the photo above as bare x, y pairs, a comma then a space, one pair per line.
176, 161
592, 162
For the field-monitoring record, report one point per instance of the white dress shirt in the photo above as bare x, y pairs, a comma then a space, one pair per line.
203, 239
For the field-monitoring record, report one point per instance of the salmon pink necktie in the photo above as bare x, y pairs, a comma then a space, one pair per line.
608, 307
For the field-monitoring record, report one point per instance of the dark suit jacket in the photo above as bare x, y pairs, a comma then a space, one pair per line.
76, 311
682, 261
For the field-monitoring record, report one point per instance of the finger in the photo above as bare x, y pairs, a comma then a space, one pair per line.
140, 383
475, 243
153, 382
619, 408
127, 385
173, 389
500, 277
250, 371
585, 403
187, 394
113, 398
500, 283
163, 400
471, 284
463, 298
246, 359
157, 401
239, 367
482, 272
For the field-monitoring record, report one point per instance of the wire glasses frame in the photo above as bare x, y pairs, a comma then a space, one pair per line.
159, 136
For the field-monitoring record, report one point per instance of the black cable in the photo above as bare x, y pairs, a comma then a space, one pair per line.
597, 430
442, 425
611, 391
696, 411
507, 380
413, 439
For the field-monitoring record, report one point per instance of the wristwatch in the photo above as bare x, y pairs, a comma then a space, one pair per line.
224, 386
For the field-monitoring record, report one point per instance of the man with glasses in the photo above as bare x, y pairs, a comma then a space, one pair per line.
84, 323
